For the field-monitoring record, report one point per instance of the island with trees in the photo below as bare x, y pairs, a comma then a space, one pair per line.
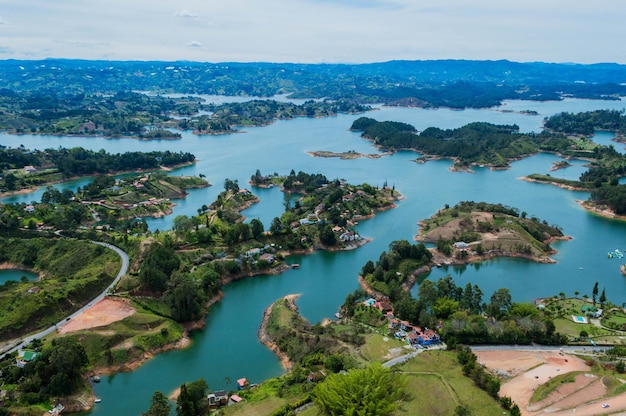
474, 231
24, 169
148, 117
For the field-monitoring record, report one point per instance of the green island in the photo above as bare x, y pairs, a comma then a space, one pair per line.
486, 144
105, 203
474, 231
148, 117
350, 154
23, 169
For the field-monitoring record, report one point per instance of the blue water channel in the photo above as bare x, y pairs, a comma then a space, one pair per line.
228, 348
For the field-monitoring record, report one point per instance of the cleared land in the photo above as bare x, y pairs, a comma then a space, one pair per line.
106, 311
582, 393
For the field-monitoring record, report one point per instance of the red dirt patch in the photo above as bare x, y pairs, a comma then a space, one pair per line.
106, 311
529, 369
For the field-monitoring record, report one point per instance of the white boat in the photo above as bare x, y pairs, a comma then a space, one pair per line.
98, 400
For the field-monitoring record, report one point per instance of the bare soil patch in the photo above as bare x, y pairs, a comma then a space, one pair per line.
106, 311
524, 371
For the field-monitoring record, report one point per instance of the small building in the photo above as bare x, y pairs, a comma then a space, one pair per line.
243, 383
267, 257
24, 357
218, 398
461, 245
234, 399
384, 307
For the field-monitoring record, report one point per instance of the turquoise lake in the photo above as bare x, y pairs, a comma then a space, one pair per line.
228, 348
15, 275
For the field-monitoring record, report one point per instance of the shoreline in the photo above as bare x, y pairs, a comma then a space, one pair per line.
14, 266
267, 340
73, 178
603, 212
553, 183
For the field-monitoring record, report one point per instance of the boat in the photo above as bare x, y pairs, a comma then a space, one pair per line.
295, 266
98, 400
96, 379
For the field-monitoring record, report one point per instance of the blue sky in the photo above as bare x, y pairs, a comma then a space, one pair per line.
313, 31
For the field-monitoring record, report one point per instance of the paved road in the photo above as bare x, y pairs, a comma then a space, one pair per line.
27, 340
577, 349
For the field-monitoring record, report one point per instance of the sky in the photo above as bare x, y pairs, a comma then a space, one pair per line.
314, 31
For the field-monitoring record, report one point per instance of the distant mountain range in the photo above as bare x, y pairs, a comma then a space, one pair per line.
450, 83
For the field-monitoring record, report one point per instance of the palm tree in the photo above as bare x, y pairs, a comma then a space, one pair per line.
576, 293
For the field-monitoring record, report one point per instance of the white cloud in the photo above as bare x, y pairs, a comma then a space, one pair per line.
185, 13
2, 21
316, 30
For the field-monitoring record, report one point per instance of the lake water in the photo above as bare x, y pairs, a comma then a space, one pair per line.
228, 348
15, 275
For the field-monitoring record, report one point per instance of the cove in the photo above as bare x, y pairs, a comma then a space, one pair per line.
228, 348
15, 275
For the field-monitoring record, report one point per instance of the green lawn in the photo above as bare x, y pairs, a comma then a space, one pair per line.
376, 348
430, 374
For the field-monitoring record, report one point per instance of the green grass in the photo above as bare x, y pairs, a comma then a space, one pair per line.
554, 383
442, 367
615, 319
440, 399
376, 348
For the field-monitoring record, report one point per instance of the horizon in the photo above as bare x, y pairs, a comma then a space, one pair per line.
182, 61
314, 31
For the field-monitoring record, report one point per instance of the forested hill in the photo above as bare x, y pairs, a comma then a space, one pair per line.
451, 83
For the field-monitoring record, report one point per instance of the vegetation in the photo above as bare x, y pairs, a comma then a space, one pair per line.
475, 143
373, 390
74, 273
450, 83
116, 204
587, 123
482, 143
510, 232
55, 371
23, 168
147, 117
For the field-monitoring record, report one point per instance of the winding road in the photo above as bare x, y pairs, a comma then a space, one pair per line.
28, 339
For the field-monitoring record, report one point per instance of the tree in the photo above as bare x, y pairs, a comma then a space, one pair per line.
231, 185
257, 229
184, 298
184, 404
159, 405
10, 180
197, 395
444, 307
372, 391
594, 293
500, 303
276, 227
327, 236
602, 298
182, 225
